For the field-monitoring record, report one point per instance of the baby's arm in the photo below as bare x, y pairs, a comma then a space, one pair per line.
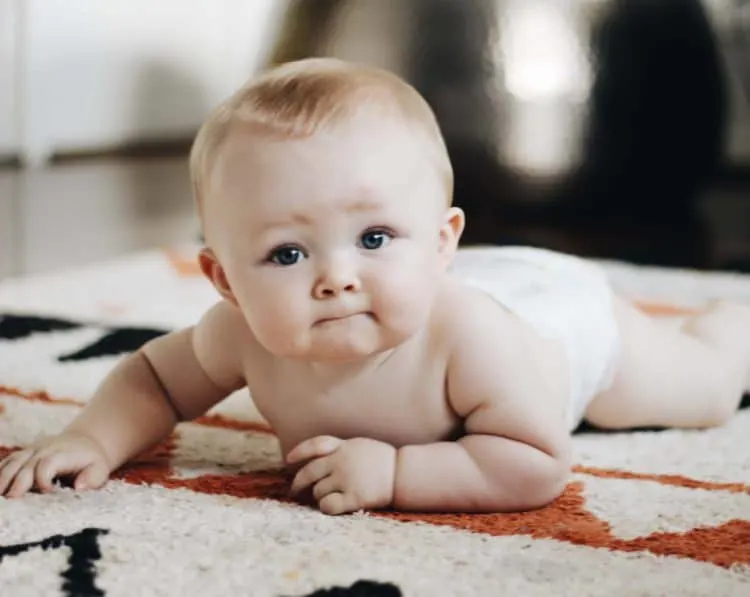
515, 454
175, 377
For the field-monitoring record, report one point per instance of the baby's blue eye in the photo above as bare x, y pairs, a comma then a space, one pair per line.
374, 239
286, 256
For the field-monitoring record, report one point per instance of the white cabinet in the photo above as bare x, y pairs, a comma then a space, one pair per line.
103, 74
9, 241
9, 26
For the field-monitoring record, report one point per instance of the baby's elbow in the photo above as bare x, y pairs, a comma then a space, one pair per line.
544, 484
551, 487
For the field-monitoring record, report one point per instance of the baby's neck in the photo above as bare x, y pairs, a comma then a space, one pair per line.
334, 372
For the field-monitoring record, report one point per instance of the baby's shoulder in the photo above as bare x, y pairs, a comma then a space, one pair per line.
223, 331
496, 358
466, 316
223, 323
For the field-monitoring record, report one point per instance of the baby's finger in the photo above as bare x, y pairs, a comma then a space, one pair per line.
51, 466
92, 477
10, 468
61, 464
338, 503
315, 447
23, 481
325, 486
310, 474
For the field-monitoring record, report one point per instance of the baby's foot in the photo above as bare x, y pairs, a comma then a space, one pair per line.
740, 313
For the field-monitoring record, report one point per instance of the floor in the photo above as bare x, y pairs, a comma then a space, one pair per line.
72, 214
91, 209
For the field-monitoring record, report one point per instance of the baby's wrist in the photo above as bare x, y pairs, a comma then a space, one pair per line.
95, 443
395, 485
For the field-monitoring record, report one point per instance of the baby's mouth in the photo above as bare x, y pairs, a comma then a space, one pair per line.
342, 318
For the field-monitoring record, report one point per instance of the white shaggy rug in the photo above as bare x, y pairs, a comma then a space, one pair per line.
206, 513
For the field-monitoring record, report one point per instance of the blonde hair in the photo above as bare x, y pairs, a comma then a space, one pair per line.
297, 99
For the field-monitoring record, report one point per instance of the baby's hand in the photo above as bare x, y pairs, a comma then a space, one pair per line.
345, 475
64, 455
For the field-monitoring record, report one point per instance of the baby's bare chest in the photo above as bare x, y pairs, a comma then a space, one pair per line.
395, 405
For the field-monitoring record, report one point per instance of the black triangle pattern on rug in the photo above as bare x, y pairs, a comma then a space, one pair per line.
119, 341
115, 341
80, 575
79, 579
124, 339
361, 588
16, 327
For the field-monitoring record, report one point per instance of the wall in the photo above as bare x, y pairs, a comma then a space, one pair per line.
86, 75
102, 74
9, 139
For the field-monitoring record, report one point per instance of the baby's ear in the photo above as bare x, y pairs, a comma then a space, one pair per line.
213, 270
450, 232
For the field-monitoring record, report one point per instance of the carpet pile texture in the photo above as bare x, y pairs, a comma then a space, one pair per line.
661, 512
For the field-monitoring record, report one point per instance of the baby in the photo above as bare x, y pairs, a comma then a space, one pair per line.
324, 190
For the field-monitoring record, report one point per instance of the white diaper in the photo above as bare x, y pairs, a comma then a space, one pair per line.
560, 296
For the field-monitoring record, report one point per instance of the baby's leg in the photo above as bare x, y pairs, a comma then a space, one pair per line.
693, 376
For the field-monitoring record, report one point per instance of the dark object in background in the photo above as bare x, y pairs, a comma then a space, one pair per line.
586, 126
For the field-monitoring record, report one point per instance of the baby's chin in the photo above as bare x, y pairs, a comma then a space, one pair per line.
340, 348
340, 351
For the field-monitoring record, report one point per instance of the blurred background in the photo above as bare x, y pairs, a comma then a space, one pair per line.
616, 129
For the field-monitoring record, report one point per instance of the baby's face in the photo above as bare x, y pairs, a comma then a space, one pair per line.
331, 245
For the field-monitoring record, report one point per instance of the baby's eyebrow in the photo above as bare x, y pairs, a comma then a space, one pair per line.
355, 205
362, 204
291, 219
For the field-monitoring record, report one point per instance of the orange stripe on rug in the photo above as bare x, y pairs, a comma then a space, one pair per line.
725, 545
5, 450
154, 467
566, 519
664, 309
270, 485
38, 396
183, 267
217, 420
674, 480
210, 420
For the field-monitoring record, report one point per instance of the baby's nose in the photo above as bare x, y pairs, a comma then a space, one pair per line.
334, 282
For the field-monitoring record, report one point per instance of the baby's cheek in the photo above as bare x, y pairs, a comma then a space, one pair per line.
405, 298
276, 320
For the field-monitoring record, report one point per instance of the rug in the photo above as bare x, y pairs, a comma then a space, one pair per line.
656, 512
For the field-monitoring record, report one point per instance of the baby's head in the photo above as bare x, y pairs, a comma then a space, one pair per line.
324, 190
